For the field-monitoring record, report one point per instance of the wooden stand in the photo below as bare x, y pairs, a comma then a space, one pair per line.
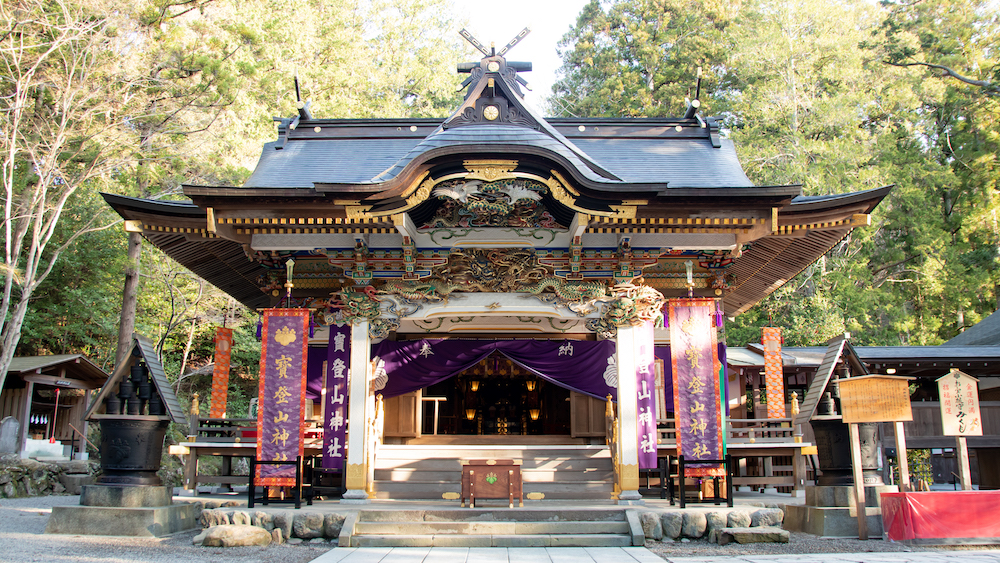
859, 482
492, 478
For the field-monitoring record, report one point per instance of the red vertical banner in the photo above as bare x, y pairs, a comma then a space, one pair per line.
774, 375
220, 376
281, 399
694, 359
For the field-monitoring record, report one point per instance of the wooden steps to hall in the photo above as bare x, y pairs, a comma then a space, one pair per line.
558, 471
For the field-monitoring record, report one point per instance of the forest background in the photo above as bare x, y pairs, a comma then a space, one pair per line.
137, 98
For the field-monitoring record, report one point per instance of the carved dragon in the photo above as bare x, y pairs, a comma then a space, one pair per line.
423, 290
357, 306
568, 291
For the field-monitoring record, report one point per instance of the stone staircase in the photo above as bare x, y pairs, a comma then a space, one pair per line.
558, 471
473, 527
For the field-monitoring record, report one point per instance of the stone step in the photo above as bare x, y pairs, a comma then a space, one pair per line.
481, 452
499, 540
761, 534
489, 528
527, 464
552, 490
557, 471
489, 515
409, 474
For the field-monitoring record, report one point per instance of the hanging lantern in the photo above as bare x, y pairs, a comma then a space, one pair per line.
533, 413
470, 414
474, 385
530, 384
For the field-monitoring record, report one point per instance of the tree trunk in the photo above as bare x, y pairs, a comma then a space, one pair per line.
130, 296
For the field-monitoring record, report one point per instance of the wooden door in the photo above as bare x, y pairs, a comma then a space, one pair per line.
403, 416
586, 416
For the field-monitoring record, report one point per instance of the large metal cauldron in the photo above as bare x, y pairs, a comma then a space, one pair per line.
130, 451
833, 445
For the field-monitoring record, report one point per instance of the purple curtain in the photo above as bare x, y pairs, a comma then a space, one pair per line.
314, 373
582, 366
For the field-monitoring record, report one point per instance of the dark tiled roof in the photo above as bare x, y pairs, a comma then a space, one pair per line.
985, 333
681, 163
301, 163
349, 159
492, 137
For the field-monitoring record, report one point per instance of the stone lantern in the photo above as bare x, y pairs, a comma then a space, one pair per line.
134, 408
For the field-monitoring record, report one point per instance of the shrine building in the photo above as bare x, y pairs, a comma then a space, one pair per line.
485, 285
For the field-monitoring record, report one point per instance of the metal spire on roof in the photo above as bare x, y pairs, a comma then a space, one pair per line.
494, 61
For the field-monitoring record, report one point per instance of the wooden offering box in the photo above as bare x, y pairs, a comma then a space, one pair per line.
492, 478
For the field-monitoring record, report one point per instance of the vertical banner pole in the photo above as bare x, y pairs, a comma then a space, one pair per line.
904, 464
859, 482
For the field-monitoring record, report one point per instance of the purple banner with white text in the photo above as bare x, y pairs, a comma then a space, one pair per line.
338, 361
645, 373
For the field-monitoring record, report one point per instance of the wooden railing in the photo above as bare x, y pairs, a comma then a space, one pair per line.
219, 429
740, 431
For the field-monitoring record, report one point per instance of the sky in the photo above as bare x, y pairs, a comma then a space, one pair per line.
548, 20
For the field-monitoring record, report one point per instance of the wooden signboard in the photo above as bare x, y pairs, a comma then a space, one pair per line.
960, 416
875, 398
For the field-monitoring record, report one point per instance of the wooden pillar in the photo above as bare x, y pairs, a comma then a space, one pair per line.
859, 481
84, 425
29, 390
627, 345
798, 473
964, 471
901, 459
356, 472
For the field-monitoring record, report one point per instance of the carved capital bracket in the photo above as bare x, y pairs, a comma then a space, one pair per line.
489, 170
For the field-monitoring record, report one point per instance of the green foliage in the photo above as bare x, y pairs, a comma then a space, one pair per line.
836, 96
640, 58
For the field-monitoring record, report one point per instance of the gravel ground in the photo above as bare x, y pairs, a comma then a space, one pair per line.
22, 540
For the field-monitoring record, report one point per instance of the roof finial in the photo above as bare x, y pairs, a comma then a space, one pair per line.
303, 107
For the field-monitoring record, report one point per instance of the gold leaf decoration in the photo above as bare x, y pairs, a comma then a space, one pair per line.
285, 336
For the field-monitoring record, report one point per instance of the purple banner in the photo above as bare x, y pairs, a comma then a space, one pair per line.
281, 398
338, 362
645, 381
695, 364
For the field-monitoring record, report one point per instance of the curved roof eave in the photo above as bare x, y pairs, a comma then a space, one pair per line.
400, 180
813, 203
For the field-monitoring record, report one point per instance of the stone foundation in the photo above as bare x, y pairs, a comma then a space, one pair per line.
31, 478
123, 510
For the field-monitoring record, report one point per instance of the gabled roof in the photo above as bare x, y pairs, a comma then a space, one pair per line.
984, 333
664, 184
909, 360
67, 366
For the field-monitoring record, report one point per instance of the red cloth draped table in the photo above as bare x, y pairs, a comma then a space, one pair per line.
941, 517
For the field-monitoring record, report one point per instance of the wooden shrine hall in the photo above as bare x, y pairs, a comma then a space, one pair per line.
485, 285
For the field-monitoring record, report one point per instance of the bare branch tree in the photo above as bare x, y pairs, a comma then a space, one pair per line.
61, 97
